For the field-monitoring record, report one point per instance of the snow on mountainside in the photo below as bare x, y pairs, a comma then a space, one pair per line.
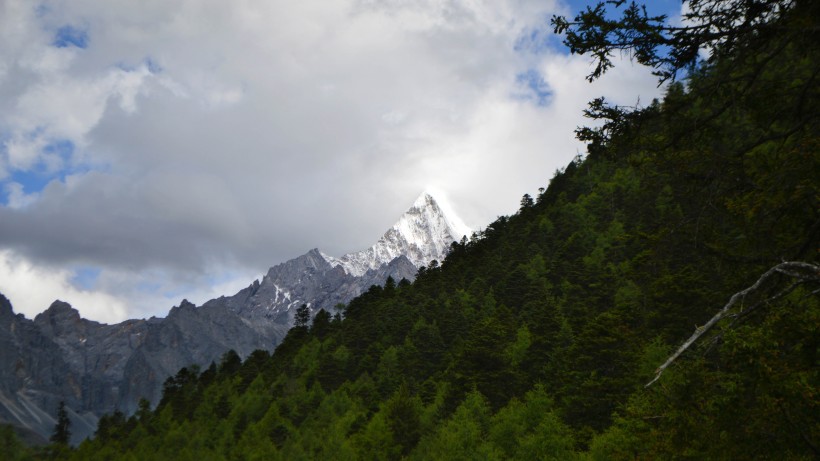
422, 234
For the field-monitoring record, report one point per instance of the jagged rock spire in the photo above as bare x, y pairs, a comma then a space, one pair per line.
423, 233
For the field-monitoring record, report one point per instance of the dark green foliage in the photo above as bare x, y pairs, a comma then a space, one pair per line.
11, 447
229, 363
109, 425
723, 27
62, 428
181, 392
403, 413
321, 324
302, 317
534, 339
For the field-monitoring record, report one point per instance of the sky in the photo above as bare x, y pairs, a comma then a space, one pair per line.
157, 150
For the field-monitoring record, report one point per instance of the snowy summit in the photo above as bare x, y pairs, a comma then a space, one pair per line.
422, 234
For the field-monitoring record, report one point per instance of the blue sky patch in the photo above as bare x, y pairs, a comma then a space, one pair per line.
85, 278
536, 88
654, 7
71, 36
541, 38
35, 179
537, 41
63, 148
32, 181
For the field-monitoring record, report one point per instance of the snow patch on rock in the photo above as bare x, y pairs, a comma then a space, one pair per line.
422, 234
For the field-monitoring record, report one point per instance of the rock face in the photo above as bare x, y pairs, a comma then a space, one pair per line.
422, 234
35, 374
97, 368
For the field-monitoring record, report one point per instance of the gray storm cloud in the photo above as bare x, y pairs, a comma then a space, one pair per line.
214, 139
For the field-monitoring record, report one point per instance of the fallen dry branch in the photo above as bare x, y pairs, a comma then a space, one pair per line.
796, 269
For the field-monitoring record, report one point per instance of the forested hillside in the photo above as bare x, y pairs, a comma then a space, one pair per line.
536, 338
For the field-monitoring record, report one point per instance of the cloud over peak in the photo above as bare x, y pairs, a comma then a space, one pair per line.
173, 146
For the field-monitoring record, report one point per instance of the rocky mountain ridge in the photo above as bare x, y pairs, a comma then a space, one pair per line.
97, 368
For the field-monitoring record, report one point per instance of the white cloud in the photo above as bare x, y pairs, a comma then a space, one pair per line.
23, 153
225, 137
68, 108
115, 296
17, 198
32, 288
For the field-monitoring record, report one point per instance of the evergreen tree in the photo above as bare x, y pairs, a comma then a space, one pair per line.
62, 429
302, 317
11, 448
321, 324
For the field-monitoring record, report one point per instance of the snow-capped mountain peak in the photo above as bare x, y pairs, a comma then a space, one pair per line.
423, 233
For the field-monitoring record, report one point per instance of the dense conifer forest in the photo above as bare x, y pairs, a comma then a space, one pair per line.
536, 338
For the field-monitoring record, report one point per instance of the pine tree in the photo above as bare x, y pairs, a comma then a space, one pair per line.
302, 317
62, 431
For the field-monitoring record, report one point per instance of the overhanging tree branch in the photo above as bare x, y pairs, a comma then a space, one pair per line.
717, 26
802, 271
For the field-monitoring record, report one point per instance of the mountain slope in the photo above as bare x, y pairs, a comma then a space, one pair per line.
97, 368
424, 233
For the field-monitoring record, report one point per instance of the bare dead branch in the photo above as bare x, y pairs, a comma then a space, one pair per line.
795, 269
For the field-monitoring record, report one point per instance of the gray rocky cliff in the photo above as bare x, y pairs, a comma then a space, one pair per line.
97, 368
35, 376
